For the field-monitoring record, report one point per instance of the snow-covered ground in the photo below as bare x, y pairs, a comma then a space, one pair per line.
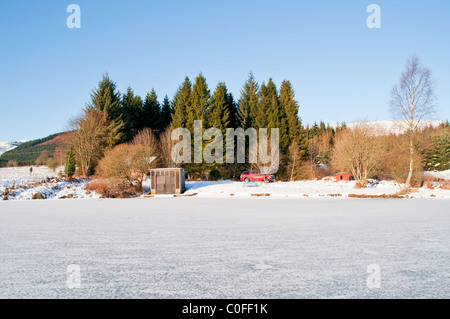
444, 175
305, 189
327, 188
25, 184
23, 175
8, 146
225, 248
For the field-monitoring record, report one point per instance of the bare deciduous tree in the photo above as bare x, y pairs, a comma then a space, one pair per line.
92, 134
166, 145
357, 150
411, 102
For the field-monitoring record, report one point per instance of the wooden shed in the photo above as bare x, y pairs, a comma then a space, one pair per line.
343, 177
167, 181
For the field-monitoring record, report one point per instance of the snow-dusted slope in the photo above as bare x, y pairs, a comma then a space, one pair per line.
392, 127
7, 146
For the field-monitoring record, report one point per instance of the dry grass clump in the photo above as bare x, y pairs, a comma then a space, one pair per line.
375, 196
106, 189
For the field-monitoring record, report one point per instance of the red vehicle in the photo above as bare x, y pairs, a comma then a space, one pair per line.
255, 176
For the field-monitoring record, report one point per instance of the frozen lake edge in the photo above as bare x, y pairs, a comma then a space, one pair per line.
225, 248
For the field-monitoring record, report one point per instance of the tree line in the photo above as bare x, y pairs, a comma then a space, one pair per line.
144, 127
112, 118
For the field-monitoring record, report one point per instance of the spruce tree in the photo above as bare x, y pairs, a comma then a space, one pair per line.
200, 99
219, 111
234, 122
294, 125
132, 110
166, 113
248, 102
260, 112
152, 112
106, 98
181, 104
69, 168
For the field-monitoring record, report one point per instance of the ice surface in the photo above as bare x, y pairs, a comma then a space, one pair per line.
225, 248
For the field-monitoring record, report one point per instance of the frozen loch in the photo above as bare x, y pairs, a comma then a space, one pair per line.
225, 248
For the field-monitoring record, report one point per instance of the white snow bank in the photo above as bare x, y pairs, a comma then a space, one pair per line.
23, 184
440, 175
304, 189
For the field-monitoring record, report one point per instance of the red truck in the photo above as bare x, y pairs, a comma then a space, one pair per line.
255, 176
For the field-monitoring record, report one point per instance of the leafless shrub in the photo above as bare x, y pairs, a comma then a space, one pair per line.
357, 151
11, 164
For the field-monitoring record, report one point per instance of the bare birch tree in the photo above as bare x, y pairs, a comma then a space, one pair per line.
411, 102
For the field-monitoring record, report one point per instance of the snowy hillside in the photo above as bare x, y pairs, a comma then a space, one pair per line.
7, 146
391, 127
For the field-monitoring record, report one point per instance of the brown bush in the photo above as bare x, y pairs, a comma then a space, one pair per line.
445, 185
11, 164
52, 164
38, 196
42, 159
358, 151
396, 162
375, 196
126, 164
109, 190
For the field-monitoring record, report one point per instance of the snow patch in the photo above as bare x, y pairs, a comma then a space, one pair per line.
8, 146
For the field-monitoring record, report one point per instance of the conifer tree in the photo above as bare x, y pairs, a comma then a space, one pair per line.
181, 104
132, 110
69, 168
219, 111
152, 112
248, 102
294, 125
166, 113
200, 99
234, 123
106, 98
259, 113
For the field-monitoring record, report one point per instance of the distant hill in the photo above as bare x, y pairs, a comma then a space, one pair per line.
26, 153
7, 146
391, 127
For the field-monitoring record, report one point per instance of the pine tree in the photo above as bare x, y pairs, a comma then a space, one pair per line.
106, 98
132, 110
259, 113
181, 104
234, 122
294, 125
219, 111
166, 113
152, 112
69, 168
200, 99
248, 102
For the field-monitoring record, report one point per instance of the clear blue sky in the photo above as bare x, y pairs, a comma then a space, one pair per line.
341, 70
